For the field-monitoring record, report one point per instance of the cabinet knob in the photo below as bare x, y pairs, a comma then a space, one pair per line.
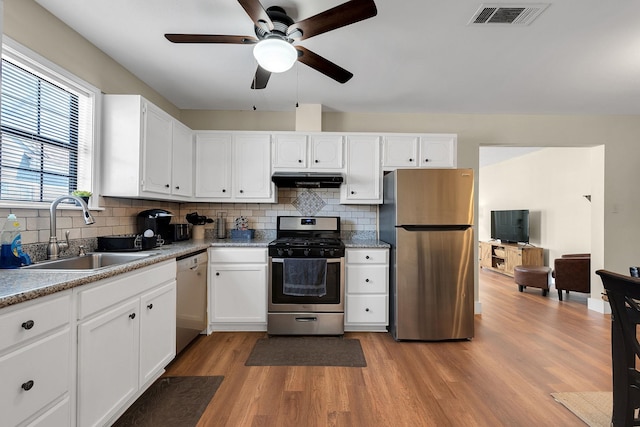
132, 316
241, 191
224, 191
299, 160
366, 309
167, 186
217, 273
426, 160
317, 161
353, 192
177, 187
28, 385
150, 306
366, 280
367, 257
411, 160
28, 324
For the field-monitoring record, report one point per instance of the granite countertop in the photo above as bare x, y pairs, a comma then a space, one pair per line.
21, 285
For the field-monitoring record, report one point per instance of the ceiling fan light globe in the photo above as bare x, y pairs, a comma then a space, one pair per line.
275, 55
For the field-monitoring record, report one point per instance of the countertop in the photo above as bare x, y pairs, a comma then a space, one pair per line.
21, 285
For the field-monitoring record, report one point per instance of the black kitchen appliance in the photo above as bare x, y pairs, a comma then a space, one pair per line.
156, 220
175, 232
306, 277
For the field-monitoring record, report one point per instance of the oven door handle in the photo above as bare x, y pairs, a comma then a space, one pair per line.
307, 319
329, 260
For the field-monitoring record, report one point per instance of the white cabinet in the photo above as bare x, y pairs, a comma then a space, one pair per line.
233, 167
238, 289
126, 336
367, 289
138, 151
363, 171
36, 362
424, 151
295, 152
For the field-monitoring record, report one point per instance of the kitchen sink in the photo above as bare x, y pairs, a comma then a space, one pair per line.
90, 261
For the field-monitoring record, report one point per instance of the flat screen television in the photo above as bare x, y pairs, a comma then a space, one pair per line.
510, 226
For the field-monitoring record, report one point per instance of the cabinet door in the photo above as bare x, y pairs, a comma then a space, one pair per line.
326, 151
485, 254
157, 330
182, 166
513, 258
366, 309
238, 293
400, 151
290, 151
364, 178
438, 151
156, 145
213, 166
107, 363
252, 165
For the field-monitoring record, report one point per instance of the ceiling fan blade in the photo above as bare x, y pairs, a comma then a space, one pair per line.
210, 38
323, 65
339, 16
257, 14
261, 78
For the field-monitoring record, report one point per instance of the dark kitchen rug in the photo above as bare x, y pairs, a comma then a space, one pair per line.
171, 402
307, 351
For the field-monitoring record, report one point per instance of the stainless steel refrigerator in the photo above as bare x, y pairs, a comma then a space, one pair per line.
427, 217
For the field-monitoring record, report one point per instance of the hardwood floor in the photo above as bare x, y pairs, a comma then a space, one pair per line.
526, 346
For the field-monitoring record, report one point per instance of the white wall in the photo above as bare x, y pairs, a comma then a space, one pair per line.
550, 183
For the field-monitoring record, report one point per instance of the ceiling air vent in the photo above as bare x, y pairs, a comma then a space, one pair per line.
515, 14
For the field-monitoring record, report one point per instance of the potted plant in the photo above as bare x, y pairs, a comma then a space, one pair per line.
83, 194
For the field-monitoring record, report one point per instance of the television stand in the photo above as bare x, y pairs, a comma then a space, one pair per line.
504, 257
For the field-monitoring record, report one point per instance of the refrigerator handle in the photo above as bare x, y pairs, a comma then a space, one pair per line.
451, 227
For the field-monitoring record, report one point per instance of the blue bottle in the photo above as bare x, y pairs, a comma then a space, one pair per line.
11, 255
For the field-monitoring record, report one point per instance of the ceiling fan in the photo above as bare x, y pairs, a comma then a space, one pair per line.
276, 32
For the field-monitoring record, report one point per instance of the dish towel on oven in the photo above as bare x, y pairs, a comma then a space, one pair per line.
305, 277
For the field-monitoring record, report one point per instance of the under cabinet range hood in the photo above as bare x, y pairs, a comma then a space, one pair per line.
307, 179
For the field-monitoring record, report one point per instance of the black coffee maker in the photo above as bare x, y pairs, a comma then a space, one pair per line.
153, 225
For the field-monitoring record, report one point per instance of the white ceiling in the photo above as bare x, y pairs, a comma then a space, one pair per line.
415, 56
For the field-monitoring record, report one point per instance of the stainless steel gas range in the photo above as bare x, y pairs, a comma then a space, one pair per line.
306, 277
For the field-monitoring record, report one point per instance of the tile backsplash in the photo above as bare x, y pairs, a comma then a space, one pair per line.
118, 216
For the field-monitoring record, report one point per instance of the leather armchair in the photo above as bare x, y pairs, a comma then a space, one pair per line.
572, 272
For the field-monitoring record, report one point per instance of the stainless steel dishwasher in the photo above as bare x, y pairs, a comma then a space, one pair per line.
191, 306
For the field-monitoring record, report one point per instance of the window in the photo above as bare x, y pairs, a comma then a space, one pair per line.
47, 119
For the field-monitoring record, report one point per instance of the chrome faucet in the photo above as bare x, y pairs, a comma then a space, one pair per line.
54, 247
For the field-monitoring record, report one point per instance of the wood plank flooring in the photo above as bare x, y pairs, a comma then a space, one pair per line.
526, 346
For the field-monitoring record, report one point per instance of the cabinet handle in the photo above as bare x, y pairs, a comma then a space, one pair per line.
427, 160
366, 309
411, 160
224, 191
241, 191
367, 257
366, 280
177, 187
28, 385
353, 192
167, 186
317, 161
299, 161
132, 316
150, 306
217, 274
28, 324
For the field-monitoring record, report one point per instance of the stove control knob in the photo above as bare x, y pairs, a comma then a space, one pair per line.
306, 252
321, 252
331, 252
290, 252
280, 252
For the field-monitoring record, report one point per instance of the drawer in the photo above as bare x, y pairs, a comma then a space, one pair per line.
102, 294
58, 415
366, 309
367, 256
27, 320
46, 363
228, 255
367, 279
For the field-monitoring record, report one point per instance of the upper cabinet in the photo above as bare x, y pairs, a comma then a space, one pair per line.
419, 151
233, 167
145, 152
295, 152
363, 182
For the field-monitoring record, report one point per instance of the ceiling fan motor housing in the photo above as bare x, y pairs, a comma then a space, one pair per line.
281, 22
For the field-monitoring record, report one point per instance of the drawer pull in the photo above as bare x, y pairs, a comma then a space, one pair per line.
150, 306
28, 385
28, 324
367, 257
132, 316
366, 280
366, 309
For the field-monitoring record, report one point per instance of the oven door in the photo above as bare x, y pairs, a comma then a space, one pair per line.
333, 301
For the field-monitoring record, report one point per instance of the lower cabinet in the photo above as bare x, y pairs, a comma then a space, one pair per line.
367, 289
126, 336
238, 289
504, 257
36, 362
